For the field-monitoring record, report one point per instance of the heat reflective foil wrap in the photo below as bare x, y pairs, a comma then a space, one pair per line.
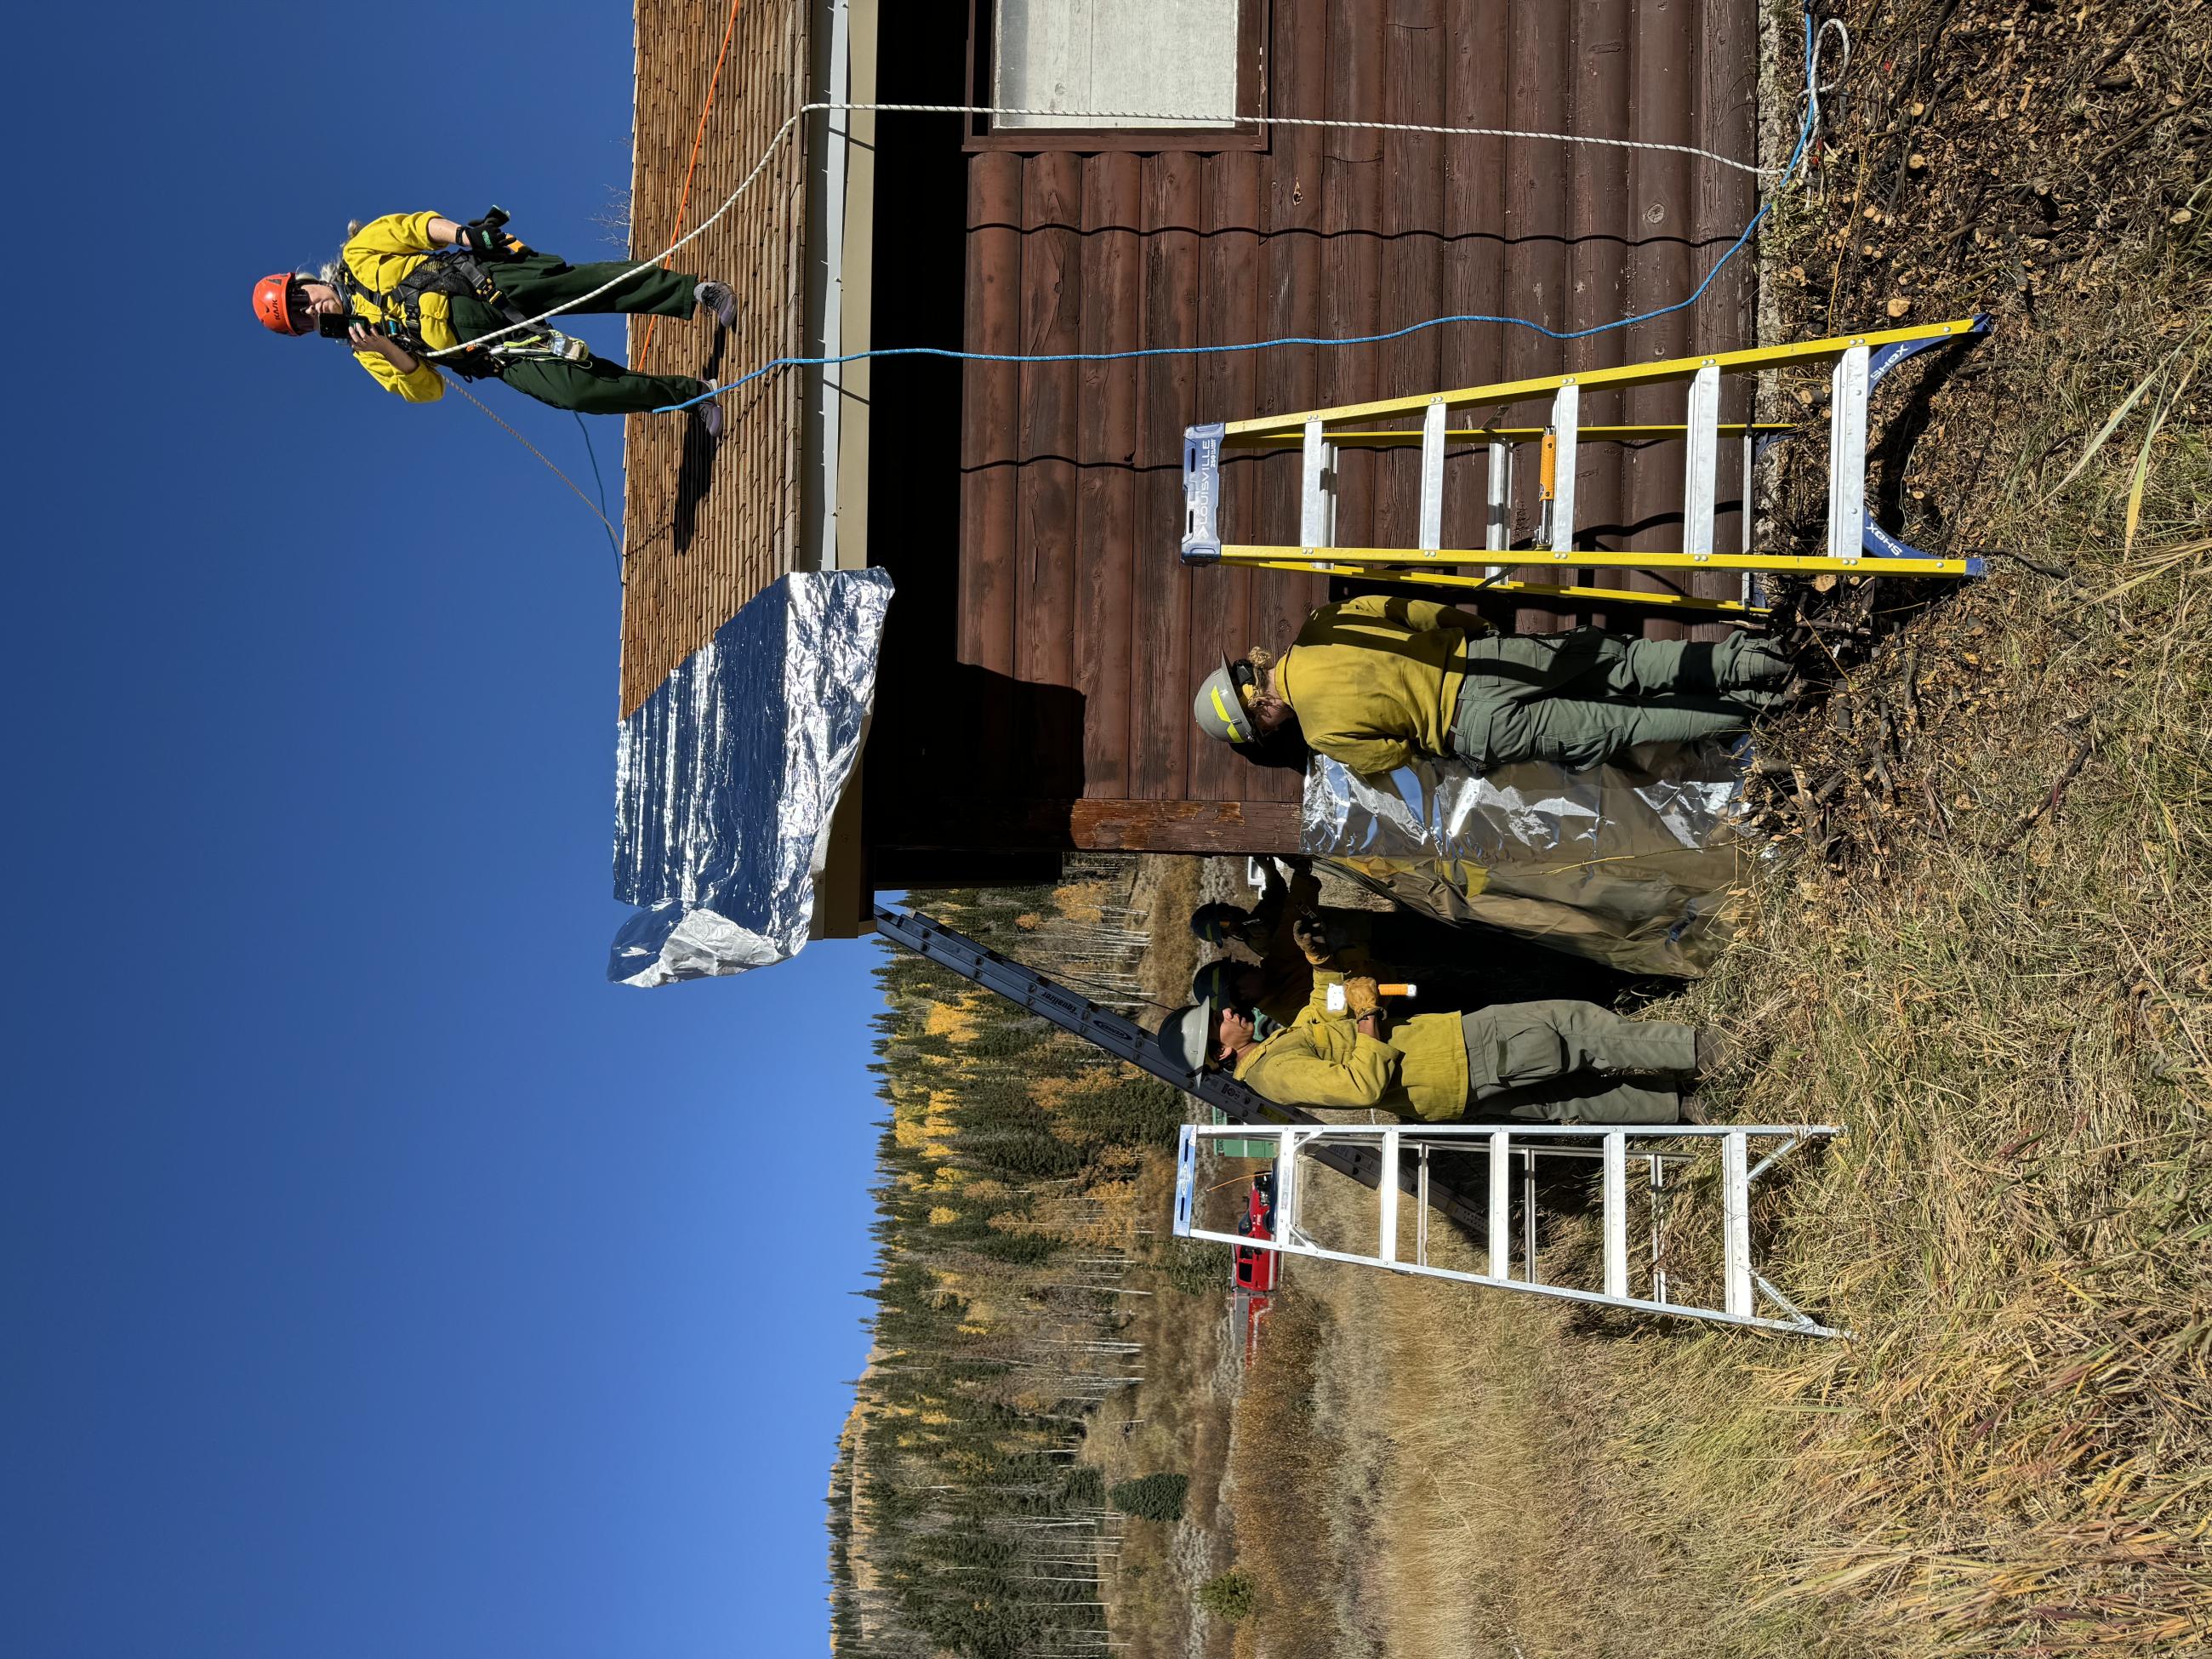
726, 779
1630, 864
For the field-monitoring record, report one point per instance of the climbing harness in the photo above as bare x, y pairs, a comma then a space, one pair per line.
457, 272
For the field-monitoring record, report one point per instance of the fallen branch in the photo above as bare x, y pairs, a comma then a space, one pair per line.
2049, 804
2056, 571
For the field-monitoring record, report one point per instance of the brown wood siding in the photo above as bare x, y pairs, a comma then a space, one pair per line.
707, 531
1071, 504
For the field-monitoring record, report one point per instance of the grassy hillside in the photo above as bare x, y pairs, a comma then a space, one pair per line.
1011, 1250
1982, 944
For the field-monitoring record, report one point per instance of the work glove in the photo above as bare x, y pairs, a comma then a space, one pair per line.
1312, 939
1361, 997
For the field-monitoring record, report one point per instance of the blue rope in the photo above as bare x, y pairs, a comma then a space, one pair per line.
598, 480
1804, 140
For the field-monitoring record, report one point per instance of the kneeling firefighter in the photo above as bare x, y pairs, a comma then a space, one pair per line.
1377, 681
411, 284
1560, 1060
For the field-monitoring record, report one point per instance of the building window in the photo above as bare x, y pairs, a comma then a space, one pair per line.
1124, 67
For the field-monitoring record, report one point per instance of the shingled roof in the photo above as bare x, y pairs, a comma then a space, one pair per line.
707, 531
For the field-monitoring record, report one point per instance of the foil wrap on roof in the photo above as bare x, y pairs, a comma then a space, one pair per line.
727, 778
1630, 864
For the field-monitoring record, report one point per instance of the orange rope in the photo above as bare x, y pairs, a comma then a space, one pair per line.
683, 202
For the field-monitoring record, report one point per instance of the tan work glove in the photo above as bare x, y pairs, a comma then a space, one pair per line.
1361, 998
1312, 940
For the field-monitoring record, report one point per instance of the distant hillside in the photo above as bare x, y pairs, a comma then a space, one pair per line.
1007, 1232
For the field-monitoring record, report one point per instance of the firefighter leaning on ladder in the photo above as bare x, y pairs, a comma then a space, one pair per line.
410, 284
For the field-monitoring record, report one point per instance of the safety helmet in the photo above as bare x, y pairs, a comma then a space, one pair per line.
1220, 711
1216, 981
1187, 1036
272, 303
1216, 923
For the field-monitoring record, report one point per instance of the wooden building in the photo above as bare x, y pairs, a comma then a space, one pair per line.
1046, 640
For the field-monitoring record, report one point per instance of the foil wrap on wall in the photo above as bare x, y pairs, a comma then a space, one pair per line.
1630, 864
727, 777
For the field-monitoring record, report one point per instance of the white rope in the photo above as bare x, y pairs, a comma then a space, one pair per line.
1152, 116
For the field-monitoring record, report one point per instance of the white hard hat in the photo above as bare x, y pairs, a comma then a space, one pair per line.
1220, 713
1187, 1036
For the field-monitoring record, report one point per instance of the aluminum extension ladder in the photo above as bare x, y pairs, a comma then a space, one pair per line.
1666, 1152
1854, 541
1125, 1040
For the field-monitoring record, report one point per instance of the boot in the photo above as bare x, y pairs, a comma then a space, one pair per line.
1710, 1053
717, 299
709, 416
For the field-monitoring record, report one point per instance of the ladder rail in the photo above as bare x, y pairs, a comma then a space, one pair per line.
1506, 437
1863, 562
1399, 576
1312, 1252
1125, 1040
1752, 359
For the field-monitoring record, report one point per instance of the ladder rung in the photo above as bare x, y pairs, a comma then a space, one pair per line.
1614, 1204
1701, 463
1432, 477
1736, 1226
1847, 441
1497, 531
1566, 426
1387, 1188
1421, 1211
1501, 1205
1313, 515
1744, 515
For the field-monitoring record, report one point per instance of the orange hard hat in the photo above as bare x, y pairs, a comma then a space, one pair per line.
272, 303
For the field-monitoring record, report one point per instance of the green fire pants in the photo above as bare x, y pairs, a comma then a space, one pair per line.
1574, 1062
594, 386
1582, 698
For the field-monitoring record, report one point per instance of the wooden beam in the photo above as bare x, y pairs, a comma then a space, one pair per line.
1148, 826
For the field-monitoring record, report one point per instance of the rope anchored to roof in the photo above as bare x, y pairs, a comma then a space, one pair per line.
1133, 117
1807, 127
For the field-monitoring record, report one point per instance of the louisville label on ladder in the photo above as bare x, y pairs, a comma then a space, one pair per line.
1654, 1255
1854, 543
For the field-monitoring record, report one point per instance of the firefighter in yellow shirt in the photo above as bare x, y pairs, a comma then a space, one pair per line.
410, 284
1378, 680
1560, 1060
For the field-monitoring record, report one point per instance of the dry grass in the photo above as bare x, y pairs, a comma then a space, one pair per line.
1281, 1463
1181, 1423
1168, 890
2008, 1003
1988, 954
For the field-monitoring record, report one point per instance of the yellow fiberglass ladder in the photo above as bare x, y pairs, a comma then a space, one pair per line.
1854, 543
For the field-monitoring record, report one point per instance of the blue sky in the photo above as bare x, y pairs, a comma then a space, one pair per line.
378, 1279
